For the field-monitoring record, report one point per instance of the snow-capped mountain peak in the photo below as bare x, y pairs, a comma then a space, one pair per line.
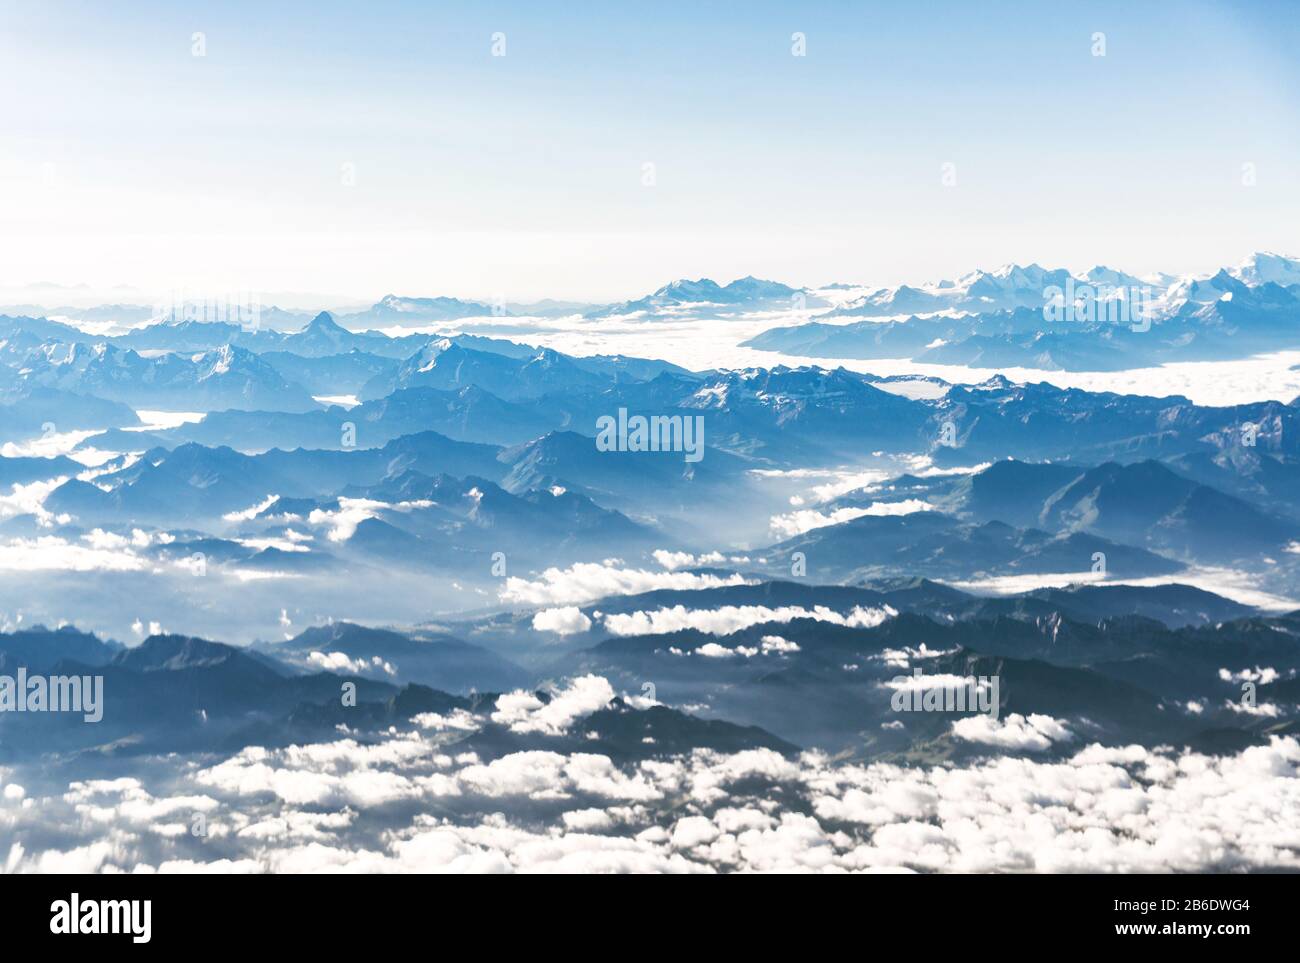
1264, 267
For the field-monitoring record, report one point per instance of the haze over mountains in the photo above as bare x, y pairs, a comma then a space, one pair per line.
1019, 317
383, 561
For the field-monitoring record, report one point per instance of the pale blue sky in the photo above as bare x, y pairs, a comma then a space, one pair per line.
125, 159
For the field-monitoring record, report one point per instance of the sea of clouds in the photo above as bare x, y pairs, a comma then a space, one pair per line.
411, 800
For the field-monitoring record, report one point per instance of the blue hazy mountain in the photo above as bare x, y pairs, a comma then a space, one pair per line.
196, 482
989, 423
705, 295
1247, 472
36, 411
936, 545
1145, 503
322, 336
406, 512
1010, 286
120, 314
38, 649
225, 377
1002, 322
1167, 511
177, 693
22, 470
1173, 605
31, 330
437, 660
394, 311
619, 478
447, 365
179, 335
552, 516
467, 414
1124, 675
826, 685
342, 374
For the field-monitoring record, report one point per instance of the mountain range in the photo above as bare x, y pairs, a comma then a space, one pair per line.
707, 296
811, 682
1005, 319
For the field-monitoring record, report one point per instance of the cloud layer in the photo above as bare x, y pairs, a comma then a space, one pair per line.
413, 801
